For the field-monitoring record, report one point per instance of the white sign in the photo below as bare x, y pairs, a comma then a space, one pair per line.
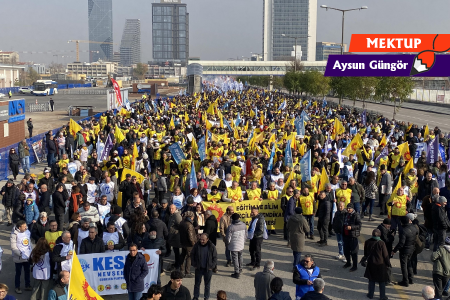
104, 271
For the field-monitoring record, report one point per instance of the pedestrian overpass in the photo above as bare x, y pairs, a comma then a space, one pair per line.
253, 68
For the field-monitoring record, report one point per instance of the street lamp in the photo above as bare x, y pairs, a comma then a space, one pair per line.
343, 13
295, 48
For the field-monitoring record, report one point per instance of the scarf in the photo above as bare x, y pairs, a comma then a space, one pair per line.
377, 238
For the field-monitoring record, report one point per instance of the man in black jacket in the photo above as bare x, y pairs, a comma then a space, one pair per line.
323, 213
256, 233
350, 233
440, 222
59, 205
44, 199
93, 243
406, 246
62, 251
210, 227
158, 225
174, 290
10, 195
48, 181
338, 227
40, 227
204, 260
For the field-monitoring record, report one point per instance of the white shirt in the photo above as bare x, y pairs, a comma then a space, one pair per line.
107, 189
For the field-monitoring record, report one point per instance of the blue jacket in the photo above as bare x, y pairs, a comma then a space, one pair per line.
58, 293
302, 289
31, 212
135, 272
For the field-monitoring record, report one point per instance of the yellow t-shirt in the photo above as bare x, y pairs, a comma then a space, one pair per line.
344, 196
235, 194
254, 194
307, 203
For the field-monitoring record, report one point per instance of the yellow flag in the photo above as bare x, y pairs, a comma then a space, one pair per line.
394, 193
354, 145
252, 113
208, 125
246, 127
291, 176
186, 117
426, 133
236, 134
323, 180
74, 127
383, 141
194, 147
219, 114
79, 288
210, 109
172, 123
126, 171
118, 135
408, 166
272, 139
338, 128
133, 159
404, 151
272, 126
409, 128
259, 137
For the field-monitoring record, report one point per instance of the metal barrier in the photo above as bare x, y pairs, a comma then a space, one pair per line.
83, 92
39, 107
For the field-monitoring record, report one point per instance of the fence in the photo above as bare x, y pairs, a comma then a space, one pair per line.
39, 107
4, 152
14, 90
93, 91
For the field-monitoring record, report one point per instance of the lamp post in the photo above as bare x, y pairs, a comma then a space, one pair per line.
343, 14
295, 47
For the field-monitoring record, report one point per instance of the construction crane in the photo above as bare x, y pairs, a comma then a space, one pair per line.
77, 42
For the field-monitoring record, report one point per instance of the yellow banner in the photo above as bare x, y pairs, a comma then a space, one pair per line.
271, 210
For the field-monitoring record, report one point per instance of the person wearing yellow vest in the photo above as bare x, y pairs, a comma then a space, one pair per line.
343, 194
53, 234
235, 192
307, 203
398, 208
254, 193
236, 171
394, 159
272, 193
215, 196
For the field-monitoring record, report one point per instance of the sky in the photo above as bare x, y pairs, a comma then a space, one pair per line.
219, 30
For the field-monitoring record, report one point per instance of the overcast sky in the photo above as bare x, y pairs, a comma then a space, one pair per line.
219, 29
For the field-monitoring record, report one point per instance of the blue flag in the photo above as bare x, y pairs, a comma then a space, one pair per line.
283, 105
300, 126
250, 138
364, 117
305, 166
146, 106
324, 103
330, 113
154, 107
288, 155
238, 120
304, 115
192, 178
177, 153
272, 155
201, 148
225, 121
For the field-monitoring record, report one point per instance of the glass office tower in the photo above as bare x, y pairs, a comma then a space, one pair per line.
100, 30
130, 46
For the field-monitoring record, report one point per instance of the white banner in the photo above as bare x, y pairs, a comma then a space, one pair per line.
420, 147
111, 99
104, 271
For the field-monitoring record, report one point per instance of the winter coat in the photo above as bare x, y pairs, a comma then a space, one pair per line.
377, 260
225, 221
168, 294
51, 146
313, 295
353, 220
358, 193
441, 261
280, 296
89, 246
290, 208
439, 217
92, 214
407, 239
59, 292
16, 255
259, 228
31, 212
59, 203
14, 159
10, 196
38, 230
386, 237
426, 187
18, 211
262, 284
44, 200
211, 228
135, 272
49, 182
160, 228
188, 237
324, 210
236, 236
196, 259
297, 227
157, 243
173, 227
23, 152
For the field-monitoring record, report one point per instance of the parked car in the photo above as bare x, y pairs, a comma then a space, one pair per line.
2, 95
25, 90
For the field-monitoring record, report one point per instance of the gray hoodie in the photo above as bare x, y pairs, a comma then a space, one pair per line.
236, 235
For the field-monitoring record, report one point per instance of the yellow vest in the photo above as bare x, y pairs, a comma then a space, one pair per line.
344, 195
63, 163
307, 203
214, 198
157, 154
333, 166
254, 194
51, 238
272, 195
399, 207
395, 159
234, 194
236, 173
166, 167
126, 161
172, 182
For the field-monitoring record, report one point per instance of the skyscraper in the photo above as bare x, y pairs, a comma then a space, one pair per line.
293, 18
170, 24
100, 29
130, 47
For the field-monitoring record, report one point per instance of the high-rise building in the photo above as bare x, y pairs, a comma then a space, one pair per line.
323, 49
293, 18
100, 29
130, 47
170, 24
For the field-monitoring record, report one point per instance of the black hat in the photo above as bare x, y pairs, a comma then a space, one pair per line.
298, 210
117, 210
235, 216
350, 205
91, 178
387, 221
190, 200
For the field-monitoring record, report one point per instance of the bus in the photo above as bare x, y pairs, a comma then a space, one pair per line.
45, 88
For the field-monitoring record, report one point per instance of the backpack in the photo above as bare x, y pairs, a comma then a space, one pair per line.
420, 238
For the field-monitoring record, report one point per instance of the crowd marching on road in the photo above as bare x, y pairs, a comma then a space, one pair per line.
145, 176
